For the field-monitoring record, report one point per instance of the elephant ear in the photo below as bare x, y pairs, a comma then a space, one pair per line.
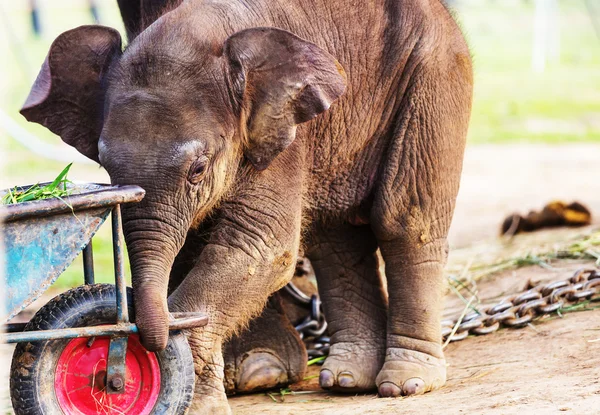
68, 96
282, 81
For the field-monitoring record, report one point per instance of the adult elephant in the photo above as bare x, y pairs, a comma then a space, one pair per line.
221, 111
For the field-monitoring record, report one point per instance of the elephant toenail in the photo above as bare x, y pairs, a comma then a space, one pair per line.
389, 390
326, 379
261, 370
413, 386
346, 380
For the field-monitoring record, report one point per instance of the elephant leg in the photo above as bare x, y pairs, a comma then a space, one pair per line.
414, 361
267, 354
251, 253
355, 306
411, 215
210, 367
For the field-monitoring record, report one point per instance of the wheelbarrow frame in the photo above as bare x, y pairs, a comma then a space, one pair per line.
110, 197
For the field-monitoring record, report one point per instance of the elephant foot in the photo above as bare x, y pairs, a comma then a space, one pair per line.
262, 369
267, 355
210, 405
259, 370
209, 394
351, 368
408, 372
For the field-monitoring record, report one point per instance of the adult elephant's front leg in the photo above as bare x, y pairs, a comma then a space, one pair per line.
251, 254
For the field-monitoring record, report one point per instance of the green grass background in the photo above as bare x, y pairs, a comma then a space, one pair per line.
511, 104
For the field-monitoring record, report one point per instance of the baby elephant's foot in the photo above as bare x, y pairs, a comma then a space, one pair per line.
210, 405
351, 368
261, 369
268, 354
209, 395
408, 372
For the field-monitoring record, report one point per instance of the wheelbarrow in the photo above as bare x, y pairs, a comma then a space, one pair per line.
80, 353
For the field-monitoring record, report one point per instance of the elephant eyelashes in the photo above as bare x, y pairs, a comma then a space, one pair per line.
198, 170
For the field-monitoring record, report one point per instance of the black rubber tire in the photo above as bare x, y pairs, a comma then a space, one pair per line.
34, 363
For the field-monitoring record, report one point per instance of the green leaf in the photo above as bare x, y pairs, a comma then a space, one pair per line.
59, 178
37, 192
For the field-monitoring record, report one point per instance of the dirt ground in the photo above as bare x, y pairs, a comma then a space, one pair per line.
550, 368
499, 180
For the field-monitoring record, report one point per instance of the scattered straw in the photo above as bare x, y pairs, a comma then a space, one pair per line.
316, 360
466, 266
458, 322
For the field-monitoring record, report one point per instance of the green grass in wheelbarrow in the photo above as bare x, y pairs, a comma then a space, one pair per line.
56, 189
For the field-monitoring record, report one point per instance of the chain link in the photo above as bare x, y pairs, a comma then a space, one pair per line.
313, 329
521, 309
515, 311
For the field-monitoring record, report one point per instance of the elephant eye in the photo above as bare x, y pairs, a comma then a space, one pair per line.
198, 170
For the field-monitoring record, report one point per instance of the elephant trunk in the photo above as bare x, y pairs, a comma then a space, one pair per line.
152, 243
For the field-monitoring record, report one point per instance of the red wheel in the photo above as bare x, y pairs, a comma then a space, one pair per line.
80, 379
68, 377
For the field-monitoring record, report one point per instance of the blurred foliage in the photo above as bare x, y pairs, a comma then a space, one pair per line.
512, 103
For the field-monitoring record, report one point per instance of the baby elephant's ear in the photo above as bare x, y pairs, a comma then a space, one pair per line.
68, 95
282, 81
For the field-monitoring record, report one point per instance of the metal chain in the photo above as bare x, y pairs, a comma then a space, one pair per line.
313, 329
515, 311
521, 309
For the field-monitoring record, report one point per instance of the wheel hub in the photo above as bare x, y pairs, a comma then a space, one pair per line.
80, 379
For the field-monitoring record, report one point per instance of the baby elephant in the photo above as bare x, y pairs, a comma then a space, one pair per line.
263, 128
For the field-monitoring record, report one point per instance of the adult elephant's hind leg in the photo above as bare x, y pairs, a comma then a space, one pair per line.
411, 216
354, 301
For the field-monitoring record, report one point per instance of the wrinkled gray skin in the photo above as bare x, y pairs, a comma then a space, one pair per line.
220, 111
